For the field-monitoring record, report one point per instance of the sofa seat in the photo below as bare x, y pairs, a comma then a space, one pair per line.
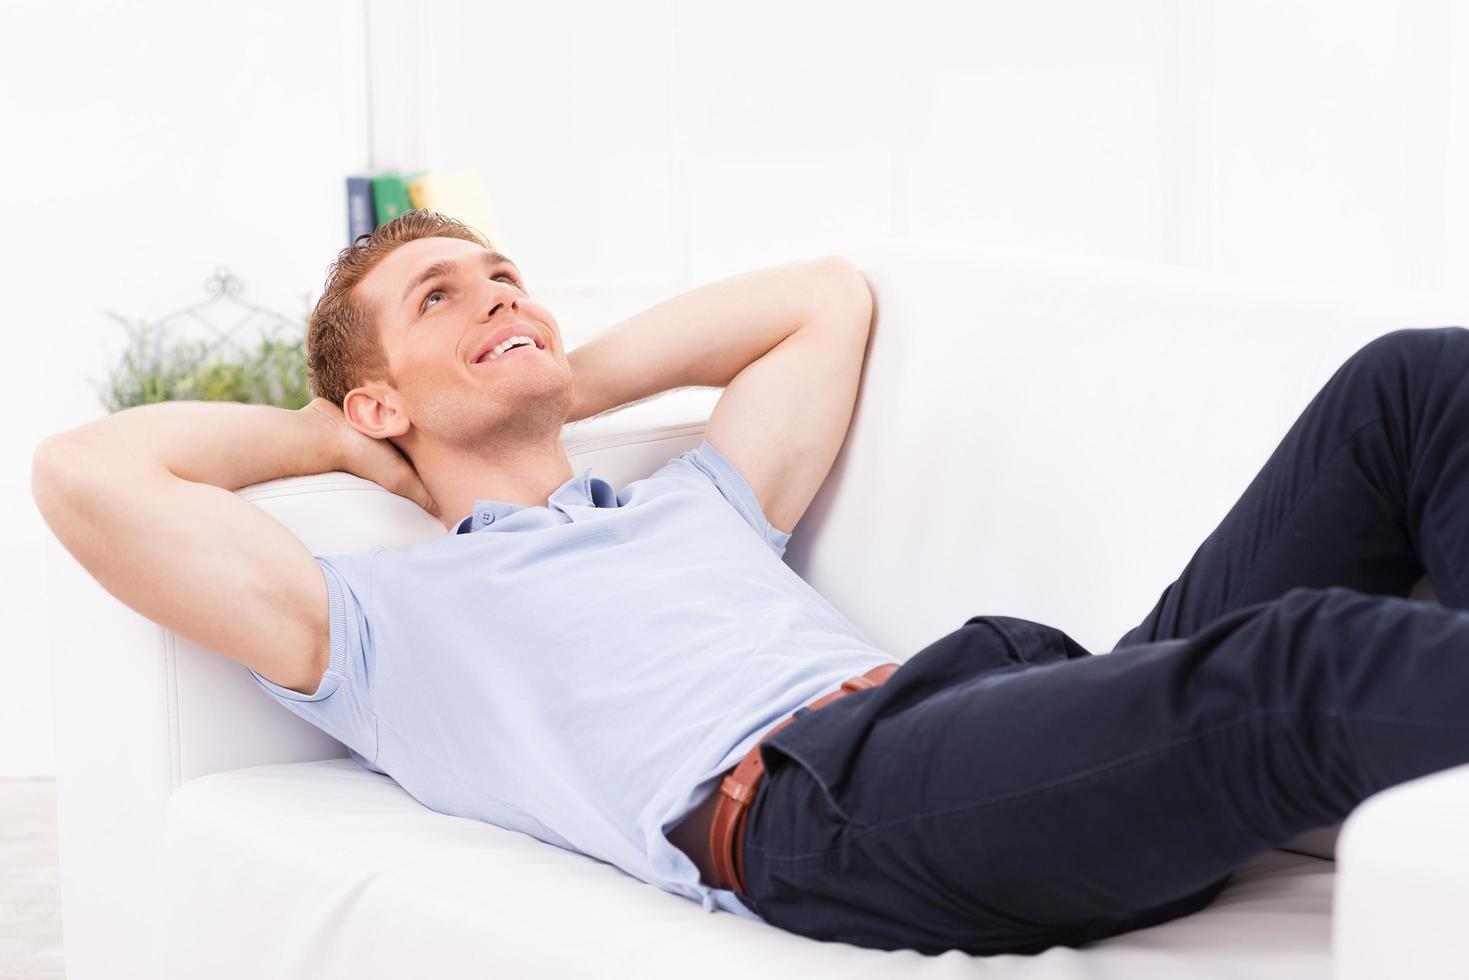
325, 869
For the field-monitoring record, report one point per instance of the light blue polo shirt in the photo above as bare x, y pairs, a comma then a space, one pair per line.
582, 672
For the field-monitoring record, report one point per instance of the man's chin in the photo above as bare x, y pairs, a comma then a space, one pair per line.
534, 416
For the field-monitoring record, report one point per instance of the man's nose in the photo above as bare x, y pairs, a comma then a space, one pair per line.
496, 296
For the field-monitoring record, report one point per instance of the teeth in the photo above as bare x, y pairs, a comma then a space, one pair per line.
508, 343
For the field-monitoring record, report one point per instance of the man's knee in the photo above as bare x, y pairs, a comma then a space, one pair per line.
1414, 349
1304, 630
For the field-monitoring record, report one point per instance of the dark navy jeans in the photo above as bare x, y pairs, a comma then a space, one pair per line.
1007, 791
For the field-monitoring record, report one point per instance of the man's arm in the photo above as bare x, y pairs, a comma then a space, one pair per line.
143, 499
786, 344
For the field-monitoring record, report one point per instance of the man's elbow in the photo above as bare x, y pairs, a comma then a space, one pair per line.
849, 292
46, 461
64, 475
50, 484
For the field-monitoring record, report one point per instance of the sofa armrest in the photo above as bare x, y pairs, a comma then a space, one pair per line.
1402, 883
139, 710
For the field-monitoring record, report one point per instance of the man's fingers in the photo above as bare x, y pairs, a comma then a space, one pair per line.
383, 463
410, 486
420, 497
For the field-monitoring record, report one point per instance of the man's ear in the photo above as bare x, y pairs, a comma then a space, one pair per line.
374, 410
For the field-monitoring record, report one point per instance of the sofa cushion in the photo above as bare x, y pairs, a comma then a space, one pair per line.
324, 869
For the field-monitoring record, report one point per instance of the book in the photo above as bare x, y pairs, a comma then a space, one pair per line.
361, 216
459, 195
390, 196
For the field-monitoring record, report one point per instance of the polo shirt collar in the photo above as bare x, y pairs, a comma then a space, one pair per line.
581, 491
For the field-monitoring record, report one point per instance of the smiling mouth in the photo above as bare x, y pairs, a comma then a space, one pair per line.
515, 342
509, 353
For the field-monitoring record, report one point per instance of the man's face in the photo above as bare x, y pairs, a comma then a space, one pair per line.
439, 302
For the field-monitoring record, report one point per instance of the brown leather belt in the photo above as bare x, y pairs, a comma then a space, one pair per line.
737, 790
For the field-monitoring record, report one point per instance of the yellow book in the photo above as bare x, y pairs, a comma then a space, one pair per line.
459, 195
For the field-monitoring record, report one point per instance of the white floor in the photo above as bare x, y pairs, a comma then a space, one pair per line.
30, 893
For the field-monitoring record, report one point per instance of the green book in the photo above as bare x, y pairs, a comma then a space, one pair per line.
390, 195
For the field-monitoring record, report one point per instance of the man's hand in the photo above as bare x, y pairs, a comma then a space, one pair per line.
372, 459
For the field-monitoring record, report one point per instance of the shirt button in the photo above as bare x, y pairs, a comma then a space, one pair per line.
485, 517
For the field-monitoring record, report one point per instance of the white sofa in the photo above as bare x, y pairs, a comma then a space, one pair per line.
1089, 421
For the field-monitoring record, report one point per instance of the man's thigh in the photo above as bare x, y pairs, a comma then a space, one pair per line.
1008, 808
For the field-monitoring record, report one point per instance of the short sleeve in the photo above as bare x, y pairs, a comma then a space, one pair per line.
721, 473
342, 705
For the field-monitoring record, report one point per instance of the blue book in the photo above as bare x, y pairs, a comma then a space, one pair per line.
361, 215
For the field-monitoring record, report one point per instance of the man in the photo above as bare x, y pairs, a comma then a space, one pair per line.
606, 670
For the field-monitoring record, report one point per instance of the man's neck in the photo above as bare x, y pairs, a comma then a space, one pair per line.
524, 474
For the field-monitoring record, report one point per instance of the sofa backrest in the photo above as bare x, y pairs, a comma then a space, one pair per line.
1053, 436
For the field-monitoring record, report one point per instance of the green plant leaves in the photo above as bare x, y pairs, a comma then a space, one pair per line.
153, 369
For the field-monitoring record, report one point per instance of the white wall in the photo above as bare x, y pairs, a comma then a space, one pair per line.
1328, 142
636, 149
660, 143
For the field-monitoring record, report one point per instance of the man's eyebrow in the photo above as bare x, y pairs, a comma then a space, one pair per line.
445, 267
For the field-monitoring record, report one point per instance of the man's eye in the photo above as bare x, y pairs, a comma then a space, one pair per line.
436, 292
505, 275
